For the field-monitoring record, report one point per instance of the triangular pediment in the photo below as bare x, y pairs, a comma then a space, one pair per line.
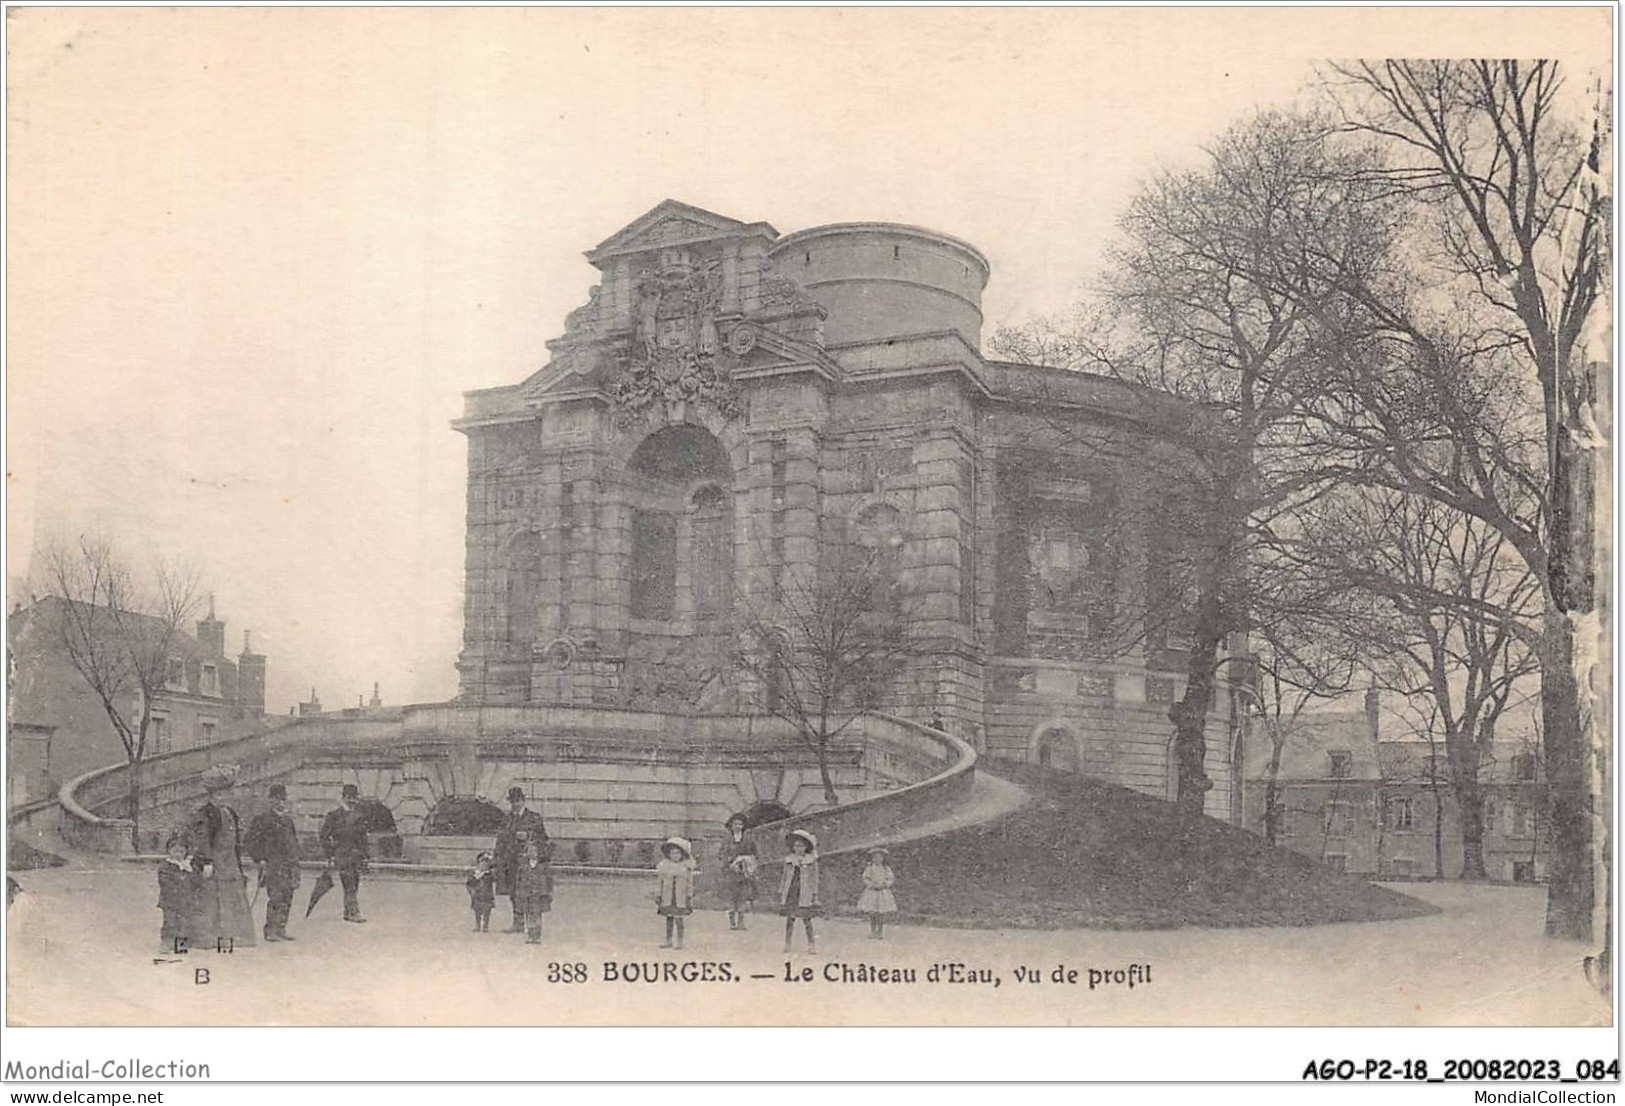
670, 222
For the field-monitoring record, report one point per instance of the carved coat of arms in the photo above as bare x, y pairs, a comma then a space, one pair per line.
674, 356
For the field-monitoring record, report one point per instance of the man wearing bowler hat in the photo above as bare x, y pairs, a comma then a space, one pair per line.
344, 840
273, 843
519, 825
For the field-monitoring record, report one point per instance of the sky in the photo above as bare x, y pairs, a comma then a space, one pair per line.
255, 256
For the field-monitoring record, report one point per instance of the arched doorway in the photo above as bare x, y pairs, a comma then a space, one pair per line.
760, 814
1056, 747
679, 488
463, 816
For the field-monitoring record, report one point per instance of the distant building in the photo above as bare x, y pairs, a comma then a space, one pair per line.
58, 729
310, 706
1374, 806
28, 762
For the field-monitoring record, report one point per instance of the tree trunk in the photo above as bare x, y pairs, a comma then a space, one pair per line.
1470, 806
135, 804
823, 775
1189, 715
1438, 831
1570, 892
1272, 790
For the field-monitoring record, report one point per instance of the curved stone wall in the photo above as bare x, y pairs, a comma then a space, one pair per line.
842, 827
610, 782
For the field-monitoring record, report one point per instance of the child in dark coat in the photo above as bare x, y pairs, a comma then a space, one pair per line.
533, 885
178, 887
798, 889
482, 891
739, 861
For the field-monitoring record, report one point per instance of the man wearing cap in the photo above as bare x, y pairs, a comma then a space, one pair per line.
519, 825
273, 844
344, 840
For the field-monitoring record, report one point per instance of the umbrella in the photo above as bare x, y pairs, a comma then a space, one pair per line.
324, 884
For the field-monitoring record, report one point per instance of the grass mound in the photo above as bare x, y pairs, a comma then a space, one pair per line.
1093, 855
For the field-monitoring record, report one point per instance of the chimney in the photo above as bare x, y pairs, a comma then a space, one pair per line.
250, 679
1373, 710
376, 702
211, 634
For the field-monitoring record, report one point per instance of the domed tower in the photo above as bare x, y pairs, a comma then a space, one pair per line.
887, 280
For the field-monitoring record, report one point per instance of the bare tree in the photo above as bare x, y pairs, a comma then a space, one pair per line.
1453, 610
1187, 311
1467, 373
122, 630
1293, 670
826, 645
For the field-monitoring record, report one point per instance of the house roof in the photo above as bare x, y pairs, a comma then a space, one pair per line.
1310, 739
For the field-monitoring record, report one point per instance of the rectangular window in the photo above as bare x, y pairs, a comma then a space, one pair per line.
1339, 818
208, 727
780, 468
1342, 764
1400, 814
567, 558
654, 564
158, 735
210, 681
175, 674
779, 474
1523, 820
1402, 867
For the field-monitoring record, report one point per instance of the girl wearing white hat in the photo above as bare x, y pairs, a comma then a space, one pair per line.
674, 898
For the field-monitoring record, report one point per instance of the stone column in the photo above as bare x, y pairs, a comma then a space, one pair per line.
801, 501
551, 519
949, 684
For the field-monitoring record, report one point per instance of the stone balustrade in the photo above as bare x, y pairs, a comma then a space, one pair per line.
851, 825
601, 774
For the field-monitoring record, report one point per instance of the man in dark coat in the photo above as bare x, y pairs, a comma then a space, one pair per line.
519, 825
344, 840
273, 843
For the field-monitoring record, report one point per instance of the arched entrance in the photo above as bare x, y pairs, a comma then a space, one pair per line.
761, 813
1056, 746
679, 488
463, 816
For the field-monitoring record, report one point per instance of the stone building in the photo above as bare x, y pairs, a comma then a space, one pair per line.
1384, 807
730, 403
59, 725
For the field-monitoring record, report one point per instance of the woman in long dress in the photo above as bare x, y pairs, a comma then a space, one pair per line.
216, 838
